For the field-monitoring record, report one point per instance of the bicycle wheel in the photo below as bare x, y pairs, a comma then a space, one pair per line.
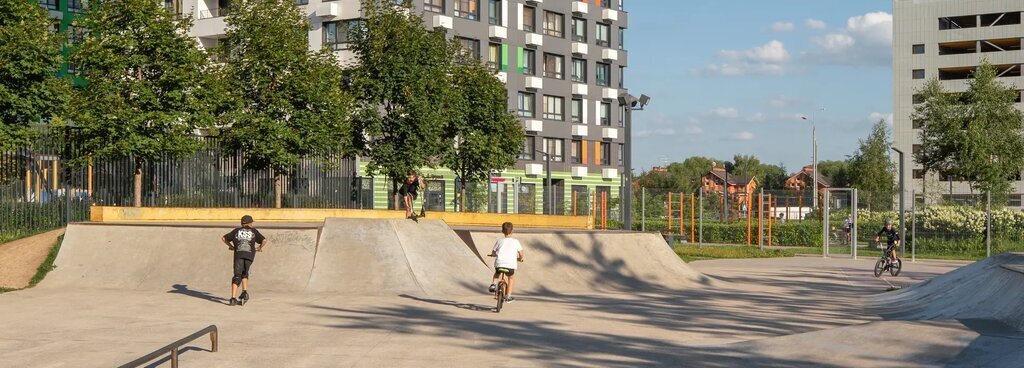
895, 267
879, 267
500, 294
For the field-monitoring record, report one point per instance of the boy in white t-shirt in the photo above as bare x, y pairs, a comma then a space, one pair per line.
507, 251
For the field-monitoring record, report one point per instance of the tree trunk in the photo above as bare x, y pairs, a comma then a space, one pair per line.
137, 190
394, 193
278, 188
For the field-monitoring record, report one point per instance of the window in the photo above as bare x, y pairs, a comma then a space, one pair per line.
337, 35
529, 62
576, 111
604, 76
622, 38
556, 148
579, 70
605, 114
494, 12
622, 116
620, 153
918, 174
553, 66
918, 99
301, 2
918, 73
606, 153
526, 104
436, 6
554, 108
576, 152
916, 149
621, 5
603, 35
579, 30
529, 147
470, 47
48, 4
607, 4
917, 124
75, 6
467, 9
527, 198
918, 49
494, 56
554, 24
529, 19
76, 35
622, 76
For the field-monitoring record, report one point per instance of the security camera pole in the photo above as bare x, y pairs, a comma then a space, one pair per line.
629, 104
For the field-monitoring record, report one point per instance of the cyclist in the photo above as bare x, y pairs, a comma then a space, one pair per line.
848, 228
507, 251
892, 239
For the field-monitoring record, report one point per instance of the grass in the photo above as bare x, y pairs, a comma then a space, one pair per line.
691, 253
43, 269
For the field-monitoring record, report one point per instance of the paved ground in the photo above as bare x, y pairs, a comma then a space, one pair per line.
20, 259
757, 300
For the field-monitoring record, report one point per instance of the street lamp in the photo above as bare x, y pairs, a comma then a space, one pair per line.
551, 190
902, 212
629, 103
814, 155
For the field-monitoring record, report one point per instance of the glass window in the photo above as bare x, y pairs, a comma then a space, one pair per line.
470, 47
579, 30
620, 153
579, 70
554, 24
622, 38
436, 6
494, 56
918, 74
494, 12
301, 2
75, 6
529, 62
607, 4
576, 111
604, 76
622, 76
917, 124
622, 116
528, 149
554, 108
576, 152
621, 5
529, 19
606, 153
468, 9
553, 66
918, 49
526, 104
338, 35
48, 4
554, 147
605, 114
527, 198
603, 37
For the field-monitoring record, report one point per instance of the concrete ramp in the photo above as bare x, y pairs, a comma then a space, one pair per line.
566, 262
160, 257
991, 289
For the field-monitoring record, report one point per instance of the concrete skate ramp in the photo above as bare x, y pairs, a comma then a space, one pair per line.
159, 257
991, 289
567, 262
392, 257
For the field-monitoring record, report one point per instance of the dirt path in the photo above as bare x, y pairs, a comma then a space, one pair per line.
19, 259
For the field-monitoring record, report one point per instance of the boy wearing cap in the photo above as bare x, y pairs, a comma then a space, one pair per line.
245, 241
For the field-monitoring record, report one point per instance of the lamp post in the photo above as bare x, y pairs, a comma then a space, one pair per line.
902, 212
629, 104
814, 156
551, 190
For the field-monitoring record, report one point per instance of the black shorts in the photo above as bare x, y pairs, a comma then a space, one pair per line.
242, 267
509, 271
405, 191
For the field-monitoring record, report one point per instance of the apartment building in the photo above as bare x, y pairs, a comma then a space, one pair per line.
563, 62
947, 39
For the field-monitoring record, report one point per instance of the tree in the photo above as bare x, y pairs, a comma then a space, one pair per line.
871, 170
837, 171
287, 103
143, 98
30, 59
484, 135
403, 88
942, 130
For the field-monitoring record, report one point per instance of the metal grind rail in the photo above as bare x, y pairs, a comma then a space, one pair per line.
172, 348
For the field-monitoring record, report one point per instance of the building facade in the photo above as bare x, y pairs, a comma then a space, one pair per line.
563, 63
947, 39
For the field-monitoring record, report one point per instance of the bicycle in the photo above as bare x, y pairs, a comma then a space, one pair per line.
501, 292
890, 262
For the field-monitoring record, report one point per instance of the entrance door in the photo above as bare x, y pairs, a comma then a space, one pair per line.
559, 197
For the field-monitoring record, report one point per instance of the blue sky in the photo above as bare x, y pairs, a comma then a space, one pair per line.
734, 77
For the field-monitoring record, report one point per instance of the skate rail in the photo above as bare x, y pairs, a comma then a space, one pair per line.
172, 348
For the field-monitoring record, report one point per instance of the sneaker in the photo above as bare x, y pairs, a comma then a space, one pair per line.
233, 301
244, 296
492, 288
510, 299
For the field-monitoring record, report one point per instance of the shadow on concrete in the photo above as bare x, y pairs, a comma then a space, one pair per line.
184, 290
167, 359
452, 303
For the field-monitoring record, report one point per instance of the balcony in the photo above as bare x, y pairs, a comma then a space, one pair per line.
579, 171
533, 125
534, 82
579, 7
609, 15
338, 10
497, 32
609, 133
579, 130
579, 89
609, 173
610, 54
609, 93
534, 169
442, 21
533, 39
579, 48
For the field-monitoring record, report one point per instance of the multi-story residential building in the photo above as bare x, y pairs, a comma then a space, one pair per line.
947, 39
563, 62
64, 13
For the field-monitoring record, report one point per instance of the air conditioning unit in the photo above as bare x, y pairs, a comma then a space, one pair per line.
534, 82
579, 171
533, 39
579, 7
610, 93
533, 125
497, 32
609, 133
534, 169
579, 89
579, 130
579, 48
610, 54
609, 173
609, 15
442, 21
502, 76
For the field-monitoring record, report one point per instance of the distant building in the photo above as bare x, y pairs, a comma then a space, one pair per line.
804, 179
739, 186
659, 169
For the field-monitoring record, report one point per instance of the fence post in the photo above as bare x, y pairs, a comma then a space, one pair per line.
988, 224
693, 232
669, 228
853, 232
681, 233
643, 209
760, 213
771, 219
913, 226
604, 210
823, 215
700, 236
748, 220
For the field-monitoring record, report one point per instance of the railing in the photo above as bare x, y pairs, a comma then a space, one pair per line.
214, 13
172, 348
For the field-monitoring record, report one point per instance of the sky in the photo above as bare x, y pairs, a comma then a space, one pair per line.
735, 77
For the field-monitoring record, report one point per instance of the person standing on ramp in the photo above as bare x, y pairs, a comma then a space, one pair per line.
245, 241
409, 191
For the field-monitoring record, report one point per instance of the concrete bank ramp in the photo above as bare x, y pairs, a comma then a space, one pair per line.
567, 262
991, 289
150, 257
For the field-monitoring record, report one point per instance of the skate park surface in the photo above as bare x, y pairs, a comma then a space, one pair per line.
369, 293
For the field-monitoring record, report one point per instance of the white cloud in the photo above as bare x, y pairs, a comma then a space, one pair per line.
779, 27
756, 117
693, 130
772, 52
782, 101
866, 40
876, 116
815, 24
724, 112
768, 59
742, 136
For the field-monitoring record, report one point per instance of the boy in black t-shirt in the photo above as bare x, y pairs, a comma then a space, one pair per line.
245, 241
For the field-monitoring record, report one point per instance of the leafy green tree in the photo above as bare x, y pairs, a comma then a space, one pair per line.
30, 59
837, 171
143, 99
942, 131
485, 136
403, 88
871, 170
286, 103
